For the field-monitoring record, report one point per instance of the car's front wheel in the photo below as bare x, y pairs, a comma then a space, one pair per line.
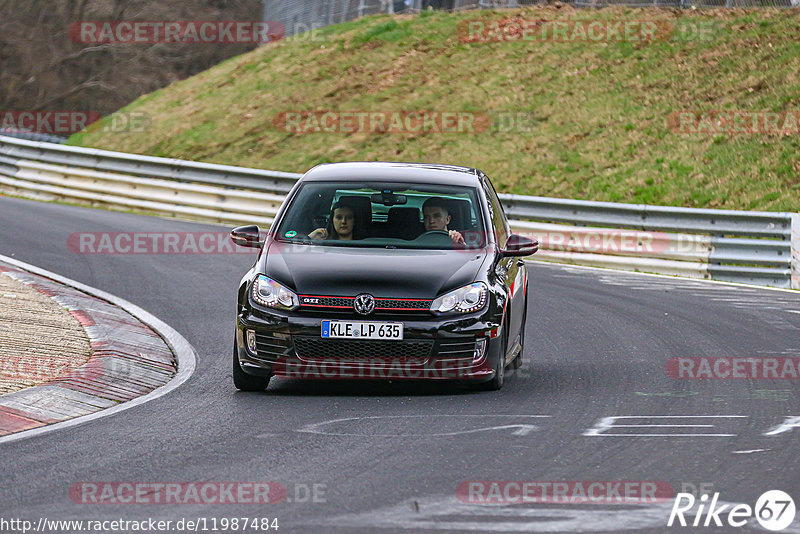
244, 381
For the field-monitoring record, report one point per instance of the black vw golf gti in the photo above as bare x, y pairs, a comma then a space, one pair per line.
383, 271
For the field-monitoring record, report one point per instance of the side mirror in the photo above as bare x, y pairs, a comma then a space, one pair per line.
247, 236
519, 245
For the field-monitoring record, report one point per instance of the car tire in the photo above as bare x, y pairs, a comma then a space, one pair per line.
244, 381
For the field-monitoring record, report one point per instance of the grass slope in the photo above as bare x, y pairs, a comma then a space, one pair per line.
598, 111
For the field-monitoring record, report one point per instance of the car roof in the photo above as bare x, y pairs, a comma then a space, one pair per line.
370, 171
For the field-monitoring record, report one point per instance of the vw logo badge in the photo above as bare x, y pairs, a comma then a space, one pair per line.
364, 304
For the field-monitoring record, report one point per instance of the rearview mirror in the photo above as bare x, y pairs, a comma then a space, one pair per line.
520, 245
247, 236
387, 198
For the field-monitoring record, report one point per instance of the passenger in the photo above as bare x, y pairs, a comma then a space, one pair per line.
341, 224
436, 216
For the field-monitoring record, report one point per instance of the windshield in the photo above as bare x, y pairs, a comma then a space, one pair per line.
387, 215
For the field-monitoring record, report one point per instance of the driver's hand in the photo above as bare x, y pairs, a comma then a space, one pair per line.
319, 233
457, 238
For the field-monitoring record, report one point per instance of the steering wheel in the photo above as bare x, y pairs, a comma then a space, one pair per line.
435, 238
434, 232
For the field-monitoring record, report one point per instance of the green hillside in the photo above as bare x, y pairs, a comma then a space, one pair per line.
596, 119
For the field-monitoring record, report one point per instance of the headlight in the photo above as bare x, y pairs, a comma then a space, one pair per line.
462, 300
270, 293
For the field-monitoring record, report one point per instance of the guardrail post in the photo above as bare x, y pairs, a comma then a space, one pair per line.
796, 251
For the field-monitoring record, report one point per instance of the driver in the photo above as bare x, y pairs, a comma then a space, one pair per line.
436, 217
341, 224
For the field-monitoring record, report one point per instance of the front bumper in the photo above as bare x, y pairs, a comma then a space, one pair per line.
433, 348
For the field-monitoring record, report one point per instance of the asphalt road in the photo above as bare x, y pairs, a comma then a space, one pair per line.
389, 457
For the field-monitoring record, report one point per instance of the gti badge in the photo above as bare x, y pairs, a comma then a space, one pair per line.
364, 304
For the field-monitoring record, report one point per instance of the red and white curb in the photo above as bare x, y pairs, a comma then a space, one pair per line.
136, 358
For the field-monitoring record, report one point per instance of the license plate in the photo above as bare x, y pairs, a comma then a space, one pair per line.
361, 330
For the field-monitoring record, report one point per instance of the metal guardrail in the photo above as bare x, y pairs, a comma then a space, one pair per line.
33, 136
742, 246
646, 217
750, 247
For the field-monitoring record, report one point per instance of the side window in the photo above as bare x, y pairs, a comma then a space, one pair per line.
498, 215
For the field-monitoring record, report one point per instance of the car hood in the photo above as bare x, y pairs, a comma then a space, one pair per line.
392, 273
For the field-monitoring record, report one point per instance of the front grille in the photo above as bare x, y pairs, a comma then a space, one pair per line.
310, 348
326, 302
398, 304
310, 302
271, 345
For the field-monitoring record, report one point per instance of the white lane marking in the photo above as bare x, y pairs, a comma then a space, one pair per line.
608, 423
676, 280
447, 513
750, 451
523, 429
183, 350
793, 311
737, 300
789, 423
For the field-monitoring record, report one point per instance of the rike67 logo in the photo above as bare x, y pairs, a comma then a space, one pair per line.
774, 510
